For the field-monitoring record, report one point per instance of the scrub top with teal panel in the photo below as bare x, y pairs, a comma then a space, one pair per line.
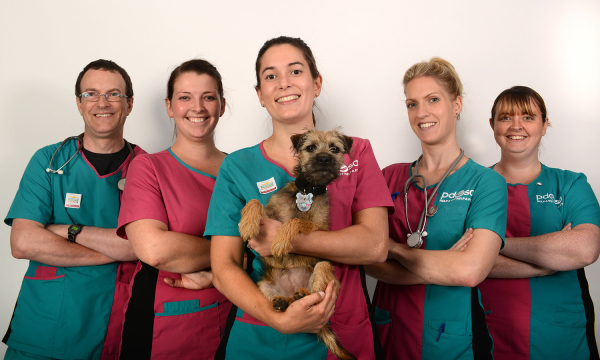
434, 321
163, 322
69, 312
249, 174
547, 317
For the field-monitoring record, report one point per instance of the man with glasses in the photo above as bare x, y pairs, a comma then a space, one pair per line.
63, 218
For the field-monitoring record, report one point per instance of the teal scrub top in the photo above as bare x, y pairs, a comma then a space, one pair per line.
63, 312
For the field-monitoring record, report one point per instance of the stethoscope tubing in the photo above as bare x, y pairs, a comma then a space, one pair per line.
423, 220
79, 137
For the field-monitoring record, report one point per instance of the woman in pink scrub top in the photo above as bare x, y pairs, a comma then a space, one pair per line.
174, 312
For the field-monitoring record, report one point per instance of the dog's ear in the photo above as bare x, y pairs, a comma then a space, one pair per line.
297, 140
347, 140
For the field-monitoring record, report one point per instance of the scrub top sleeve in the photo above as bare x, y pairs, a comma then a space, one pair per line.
580, 203
142, 198
488, 204
226, 204
33, 200
371, 188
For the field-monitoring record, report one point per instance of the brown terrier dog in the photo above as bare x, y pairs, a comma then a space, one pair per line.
302, 206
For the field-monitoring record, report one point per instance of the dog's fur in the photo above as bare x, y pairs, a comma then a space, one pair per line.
289, 277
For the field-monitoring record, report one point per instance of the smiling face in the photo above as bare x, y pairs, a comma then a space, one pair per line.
518, 131
196, 106
104, 119
431, 111
287, 89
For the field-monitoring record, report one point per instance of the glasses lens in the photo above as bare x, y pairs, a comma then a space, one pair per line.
114, 96
90, 96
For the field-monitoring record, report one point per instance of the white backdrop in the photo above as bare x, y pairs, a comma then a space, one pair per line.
362, 49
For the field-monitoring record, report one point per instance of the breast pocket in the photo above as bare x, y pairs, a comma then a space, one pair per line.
186, 330
448, 224
38, 310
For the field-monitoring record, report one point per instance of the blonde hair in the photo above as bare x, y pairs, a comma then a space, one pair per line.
439, 69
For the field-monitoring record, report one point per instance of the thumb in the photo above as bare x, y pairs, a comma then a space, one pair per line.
173, 282
312, 299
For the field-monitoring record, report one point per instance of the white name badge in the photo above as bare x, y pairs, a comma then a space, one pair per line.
73, 201
267, 186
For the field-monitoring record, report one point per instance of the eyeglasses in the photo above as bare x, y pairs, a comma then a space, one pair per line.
93, 97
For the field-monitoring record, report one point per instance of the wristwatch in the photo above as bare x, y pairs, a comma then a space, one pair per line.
73, 230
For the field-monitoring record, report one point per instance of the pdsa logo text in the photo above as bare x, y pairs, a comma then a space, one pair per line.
351, 168
457, 195
549, 198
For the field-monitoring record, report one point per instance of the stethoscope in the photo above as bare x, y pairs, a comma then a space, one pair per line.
415, 239
60, 171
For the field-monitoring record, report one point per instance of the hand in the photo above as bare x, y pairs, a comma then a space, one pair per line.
310, 313
193, 281
60, 230
262, 242
462, 243
567, 227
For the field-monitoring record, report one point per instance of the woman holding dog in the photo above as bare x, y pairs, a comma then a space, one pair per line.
287, 84
426, 302
163, 214
537, 298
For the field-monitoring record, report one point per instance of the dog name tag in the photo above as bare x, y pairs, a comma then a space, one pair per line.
304, 201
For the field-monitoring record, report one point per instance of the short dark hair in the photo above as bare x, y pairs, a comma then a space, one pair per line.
199, 67
106, 65
295, 42
518, 98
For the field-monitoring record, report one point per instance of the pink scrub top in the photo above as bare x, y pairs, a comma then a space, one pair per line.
164, 322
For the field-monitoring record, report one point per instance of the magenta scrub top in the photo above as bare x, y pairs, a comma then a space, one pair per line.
162, 322
250, 174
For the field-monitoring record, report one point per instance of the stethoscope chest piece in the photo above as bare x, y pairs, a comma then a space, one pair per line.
432, 210
415, 240
121, 184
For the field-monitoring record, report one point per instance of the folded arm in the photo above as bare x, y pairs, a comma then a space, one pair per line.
102, 240
30, 240
168, 250
507, 268
560, 250
452, 268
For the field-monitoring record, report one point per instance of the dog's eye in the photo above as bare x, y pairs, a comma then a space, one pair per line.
334, 149
310, 148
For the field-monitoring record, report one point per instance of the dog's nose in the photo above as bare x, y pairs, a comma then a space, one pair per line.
324, 159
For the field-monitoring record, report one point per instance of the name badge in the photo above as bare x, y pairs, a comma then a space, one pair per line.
73, 201
267, 186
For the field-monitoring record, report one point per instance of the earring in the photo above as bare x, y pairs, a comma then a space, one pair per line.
317, 94
457, 116
263, 105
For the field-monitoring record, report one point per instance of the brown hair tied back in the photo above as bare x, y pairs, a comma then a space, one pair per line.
199, 67
439, 69
298, 44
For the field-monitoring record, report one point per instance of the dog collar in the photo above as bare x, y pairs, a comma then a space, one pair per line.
304, 189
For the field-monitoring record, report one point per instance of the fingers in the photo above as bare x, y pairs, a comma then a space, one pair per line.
567, 227
176, 283
462, 243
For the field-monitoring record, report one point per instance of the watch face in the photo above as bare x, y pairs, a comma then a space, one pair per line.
74, 228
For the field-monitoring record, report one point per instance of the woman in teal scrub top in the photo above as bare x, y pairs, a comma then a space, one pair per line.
287, 84
427, 303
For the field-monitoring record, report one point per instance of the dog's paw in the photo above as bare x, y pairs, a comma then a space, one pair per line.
280, 248
280, 303
249, 225
301, 293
